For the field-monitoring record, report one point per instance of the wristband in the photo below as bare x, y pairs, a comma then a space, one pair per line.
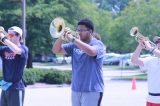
4, 38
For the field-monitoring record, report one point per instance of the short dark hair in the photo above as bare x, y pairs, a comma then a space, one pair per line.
88, 23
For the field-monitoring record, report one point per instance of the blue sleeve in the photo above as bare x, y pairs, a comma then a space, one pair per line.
68, 48
2, 48
100, 49
24, 53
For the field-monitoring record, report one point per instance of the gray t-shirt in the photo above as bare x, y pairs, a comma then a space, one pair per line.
87, 75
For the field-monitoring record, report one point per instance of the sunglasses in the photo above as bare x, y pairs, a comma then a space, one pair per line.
82, 30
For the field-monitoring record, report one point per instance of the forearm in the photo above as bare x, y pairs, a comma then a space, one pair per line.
136, 54
57, 47
91, 51
156, 52
12, 46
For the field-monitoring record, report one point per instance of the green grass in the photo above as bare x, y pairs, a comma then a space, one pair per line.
138, 77
118, 67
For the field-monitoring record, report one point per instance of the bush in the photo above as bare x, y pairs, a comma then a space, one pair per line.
1, 75
68, 77
55, 77
50, 76
32, 75
29, 77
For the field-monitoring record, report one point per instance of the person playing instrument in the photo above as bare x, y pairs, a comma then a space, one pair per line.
152, 65
87, 59
14, 56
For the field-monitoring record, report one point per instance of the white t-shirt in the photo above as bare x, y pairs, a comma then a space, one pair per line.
152, 65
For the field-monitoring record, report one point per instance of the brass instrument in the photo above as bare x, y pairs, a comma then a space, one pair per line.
58, 29
138, 36
4, 32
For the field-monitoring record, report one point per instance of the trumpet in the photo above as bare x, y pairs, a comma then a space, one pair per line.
57, 28
3, 32
134, 32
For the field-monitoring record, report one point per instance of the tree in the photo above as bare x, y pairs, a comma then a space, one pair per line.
39, 15
101, 18
115, 6
144, 14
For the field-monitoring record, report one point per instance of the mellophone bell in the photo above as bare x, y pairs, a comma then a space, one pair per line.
58, 29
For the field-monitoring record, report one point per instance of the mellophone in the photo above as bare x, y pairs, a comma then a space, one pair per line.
58, 29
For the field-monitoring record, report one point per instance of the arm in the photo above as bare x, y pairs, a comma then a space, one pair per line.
57, 47
152, 49
90, 50
135, 58
156, 52
11, 45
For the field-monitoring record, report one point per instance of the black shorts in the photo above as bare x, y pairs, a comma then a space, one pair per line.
12, 98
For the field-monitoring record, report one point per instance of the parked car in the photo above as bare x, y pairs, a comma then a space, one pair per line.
126, 56
44, 58
127, 62
111, 59
52, 58
63, 60
37, 58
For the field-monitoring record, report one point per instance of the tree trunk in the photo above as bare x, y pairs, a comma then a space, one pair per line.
29, 61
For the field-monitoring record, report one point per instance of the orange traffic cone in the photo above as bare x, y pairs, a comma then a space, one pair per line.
133, 83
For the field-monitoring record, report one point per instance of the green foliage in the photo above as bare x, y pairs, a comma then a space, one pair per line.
68, 77
34, 75
111, 5
143, 14
54, 77
50, 76
40, 13
113, 29
100, 18
1, 75
30, 77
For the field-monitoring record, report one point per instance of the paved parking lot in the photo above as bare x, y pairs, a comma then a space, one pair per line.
117, 93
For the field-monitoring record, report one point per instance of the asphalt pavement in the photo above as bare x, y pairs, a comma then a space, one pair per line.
117, 93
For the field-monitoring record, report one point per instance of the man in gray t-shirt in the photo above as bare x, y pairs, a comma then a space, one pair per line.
87, 60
